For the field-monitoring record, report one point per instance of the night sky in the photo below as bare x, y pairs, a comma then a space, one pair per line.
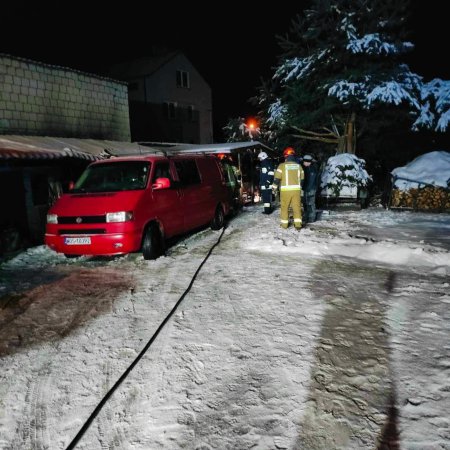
231, 44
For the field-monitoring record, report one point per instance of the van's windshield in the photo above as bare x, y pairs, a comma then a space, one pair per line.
113, 176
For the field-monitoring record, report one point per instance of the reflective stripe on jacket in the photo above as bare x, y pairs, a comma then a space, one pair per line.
290, 175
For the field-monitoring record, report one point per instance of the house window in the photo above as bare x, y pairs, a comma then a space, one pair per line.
170, 110
183, 79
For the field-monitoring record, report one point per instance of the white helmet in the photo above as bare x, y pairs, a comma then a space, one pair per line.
262, 156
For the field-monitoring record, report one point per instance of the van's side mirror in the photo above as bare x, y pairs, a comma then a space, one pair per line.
161, 183
71, 185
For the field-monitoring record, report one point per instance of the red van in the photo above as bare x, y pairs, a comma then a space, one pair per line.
128, 204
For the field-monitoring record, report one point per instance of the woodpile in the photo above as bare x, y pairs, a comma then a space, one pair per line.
436, 199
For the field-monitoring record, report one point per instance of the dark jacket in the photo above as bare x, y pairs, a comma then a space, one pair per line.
311, 181
266, 174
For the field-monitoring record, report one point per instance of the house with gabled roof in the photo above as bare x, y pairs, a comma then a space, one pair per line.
169, 99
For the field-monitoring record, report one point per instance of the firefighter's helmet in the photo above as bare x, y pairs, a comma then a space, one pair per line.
288, 151
262, 156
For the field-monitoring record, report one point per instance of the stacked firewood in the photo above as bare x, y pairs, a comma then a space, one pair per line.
428, 198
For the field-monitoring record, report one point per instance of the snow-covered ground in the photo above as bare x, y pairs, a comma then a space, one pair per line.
337, 337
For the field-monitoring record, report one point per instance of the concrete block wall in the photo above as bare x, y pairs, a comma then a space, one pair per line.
44, 100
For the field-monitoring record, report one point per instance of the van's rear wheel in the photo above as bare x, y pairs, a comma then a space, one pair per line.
152, 244
219, 219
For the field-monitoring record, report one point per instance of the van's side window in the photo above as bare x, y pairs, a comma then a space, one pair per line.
162, 170
187, 172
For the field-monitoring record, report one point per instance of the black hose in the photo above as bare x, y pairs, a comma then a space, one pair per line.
94, 413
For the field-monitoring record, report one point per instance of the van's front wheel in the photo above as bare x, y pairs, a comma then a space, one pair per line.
219, 219
152, 244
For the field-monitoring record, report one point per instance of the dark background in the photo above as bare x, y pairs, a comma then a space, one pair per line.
232, 44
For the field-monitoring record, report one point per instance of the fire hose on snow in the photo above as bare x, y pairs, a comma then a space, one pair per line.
124, 375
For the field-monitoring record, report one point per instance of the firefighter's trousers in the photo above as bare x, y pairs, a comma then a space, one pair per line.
290, 198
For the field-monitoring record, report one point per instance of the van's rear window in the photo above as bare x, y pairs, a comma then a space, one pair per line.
113, 176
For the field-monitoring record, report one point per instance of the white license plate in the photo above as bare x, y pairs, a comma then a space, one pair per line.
77, 240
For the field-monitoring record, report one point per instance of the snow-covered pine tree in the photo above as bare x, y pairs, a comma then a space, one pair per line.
341, 71
234, 130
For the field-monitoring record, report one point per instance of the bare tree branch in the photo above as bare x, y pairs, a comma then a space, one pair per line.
314, 133
316, 138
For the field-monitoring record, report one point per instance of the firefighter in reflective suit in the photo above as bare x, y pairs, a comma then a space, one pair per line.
288, 178
265, 181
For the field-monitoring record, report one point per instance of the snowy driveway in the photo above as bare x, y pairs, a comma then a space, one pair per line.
333, 338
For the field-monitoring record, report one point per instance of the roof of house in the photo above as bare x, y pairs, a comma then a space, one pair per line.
140, 67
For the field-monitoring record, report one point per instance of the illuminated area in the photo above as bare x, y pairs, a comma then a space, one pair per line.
251, 124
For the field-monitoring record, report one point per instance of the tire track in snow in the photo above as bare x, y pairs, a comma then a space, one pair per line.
32, 430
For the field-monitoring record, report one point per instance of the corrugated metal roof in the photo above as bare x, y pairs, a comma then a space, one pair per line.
44, 147
227, 147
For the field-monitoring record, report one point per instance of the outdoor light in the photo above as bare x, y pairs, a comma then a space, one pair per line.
251, 124
252, 128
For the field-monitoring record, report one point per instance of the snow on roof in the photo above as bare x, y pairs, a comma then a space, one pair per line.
431, 168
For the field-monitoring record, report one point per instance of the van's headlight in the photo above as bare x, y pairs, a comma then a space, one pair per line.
52, 218
121, 216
